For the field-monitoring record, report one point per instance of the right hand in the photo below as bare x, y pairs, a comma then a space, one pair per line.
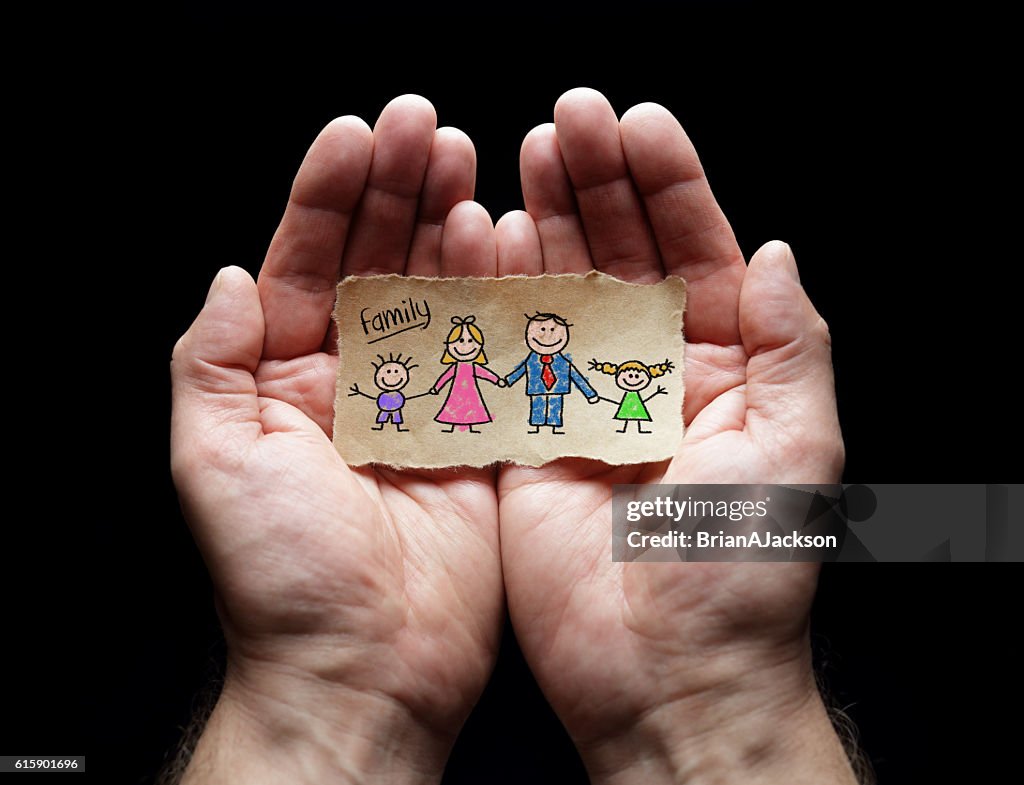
671, 672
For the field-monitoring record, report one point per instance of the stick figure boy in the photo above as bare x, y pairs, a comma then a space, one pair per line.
550, 374
390, 376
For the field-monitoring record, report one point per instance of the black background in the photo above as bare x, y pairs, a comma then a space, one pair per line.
834, 130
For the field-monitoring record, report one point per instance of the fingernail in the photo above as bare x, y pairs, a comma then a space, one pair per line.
215, 285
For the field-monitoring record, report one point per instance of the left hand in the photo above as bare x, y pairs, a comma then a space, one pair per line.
362, 608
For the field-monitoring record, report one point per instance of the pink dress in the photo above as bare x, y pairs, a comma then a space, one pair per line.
464, 404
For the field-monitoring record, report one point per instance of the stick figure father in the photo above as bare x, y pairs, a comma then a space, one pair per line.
550, 374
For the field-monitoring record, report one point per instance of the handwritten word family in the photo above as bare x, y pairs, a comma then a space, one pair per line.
389, 322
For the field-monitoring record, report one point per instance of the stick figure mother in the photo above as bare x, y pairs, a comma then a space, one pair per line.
464, 352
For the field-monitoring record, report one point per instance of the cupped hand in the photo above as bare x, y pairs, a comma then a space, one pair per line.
671, 672
362, 608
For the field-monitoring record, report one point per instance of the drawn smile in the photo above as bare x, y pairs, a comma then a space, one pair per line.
457, 353
541, 343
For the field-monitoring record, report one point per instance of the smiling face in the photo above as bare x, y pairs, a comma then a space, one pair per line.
546, 337
391, 376
632, 379
465, 348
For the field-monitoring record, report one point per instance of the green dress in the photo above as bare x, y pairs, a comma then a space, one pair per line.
632, 408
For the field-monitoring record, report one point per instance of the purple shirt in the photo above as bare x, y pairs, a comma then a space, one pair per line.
390, 401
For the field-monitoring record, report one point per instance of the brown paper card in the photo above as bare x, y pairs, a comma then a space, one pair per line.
393, 334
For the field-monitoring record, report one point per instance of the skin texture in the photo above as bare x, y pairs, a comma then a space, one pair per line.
362, 608
641, 660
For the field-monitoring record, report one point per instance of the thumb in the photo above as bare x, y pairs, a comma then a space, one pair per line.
214, 399
791, 397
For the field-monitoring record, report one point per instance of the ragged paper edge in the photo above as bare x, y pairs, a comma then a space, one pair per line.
678, 314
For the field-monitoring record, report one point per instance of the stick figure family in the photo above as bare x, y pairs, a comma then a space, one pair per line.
549, 373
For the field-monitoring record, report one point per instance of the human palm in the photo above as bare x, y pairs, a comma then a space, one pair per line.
611, 642
389, 584
382, 581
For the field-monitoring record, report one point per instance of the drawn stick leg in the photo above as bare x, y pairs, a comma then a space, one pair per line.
538, 412
396, 418
554, 414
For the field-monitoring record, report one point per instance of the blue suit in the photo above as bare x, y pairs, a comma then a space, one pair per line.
546, 404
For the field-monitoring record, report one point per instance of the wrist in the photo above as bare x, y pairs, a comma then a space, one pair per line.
755, 720
273, 724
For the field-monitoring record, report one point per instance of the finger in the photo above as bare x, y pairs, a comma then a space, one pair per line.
214, 392
547, 194
450, 179
518, 245
790, 387
296, 283
618, 235
383, 227
467, 244
305, 382
694, 238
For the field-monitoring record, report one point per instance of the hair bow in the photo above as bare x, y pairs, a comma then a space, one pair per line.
463, 319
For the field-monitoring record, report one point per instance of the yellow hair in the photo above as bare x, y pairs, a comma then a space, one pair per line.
456, 333
655, 370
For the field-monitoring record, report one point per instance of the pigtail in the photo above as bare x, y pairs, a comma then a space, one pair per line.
660, 369
607, 368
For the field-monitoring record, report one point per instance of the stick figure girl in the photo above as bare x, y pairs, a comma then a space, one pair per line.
464, 352
390, 377
632, 377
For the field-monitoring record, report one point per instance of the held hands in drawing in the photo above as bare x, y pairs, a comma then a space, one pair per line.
362, 608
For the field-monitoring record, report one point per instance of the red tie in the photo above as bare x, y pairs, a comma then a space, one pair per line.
547, 375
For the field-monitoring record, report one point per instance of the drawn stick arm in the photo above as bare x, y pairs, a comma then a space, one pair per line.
354, 390
581, 381
660, 391
445, 377
517, 373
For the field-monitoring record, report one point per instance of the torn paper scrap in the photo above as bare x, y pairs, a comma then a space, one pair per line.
439, 372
